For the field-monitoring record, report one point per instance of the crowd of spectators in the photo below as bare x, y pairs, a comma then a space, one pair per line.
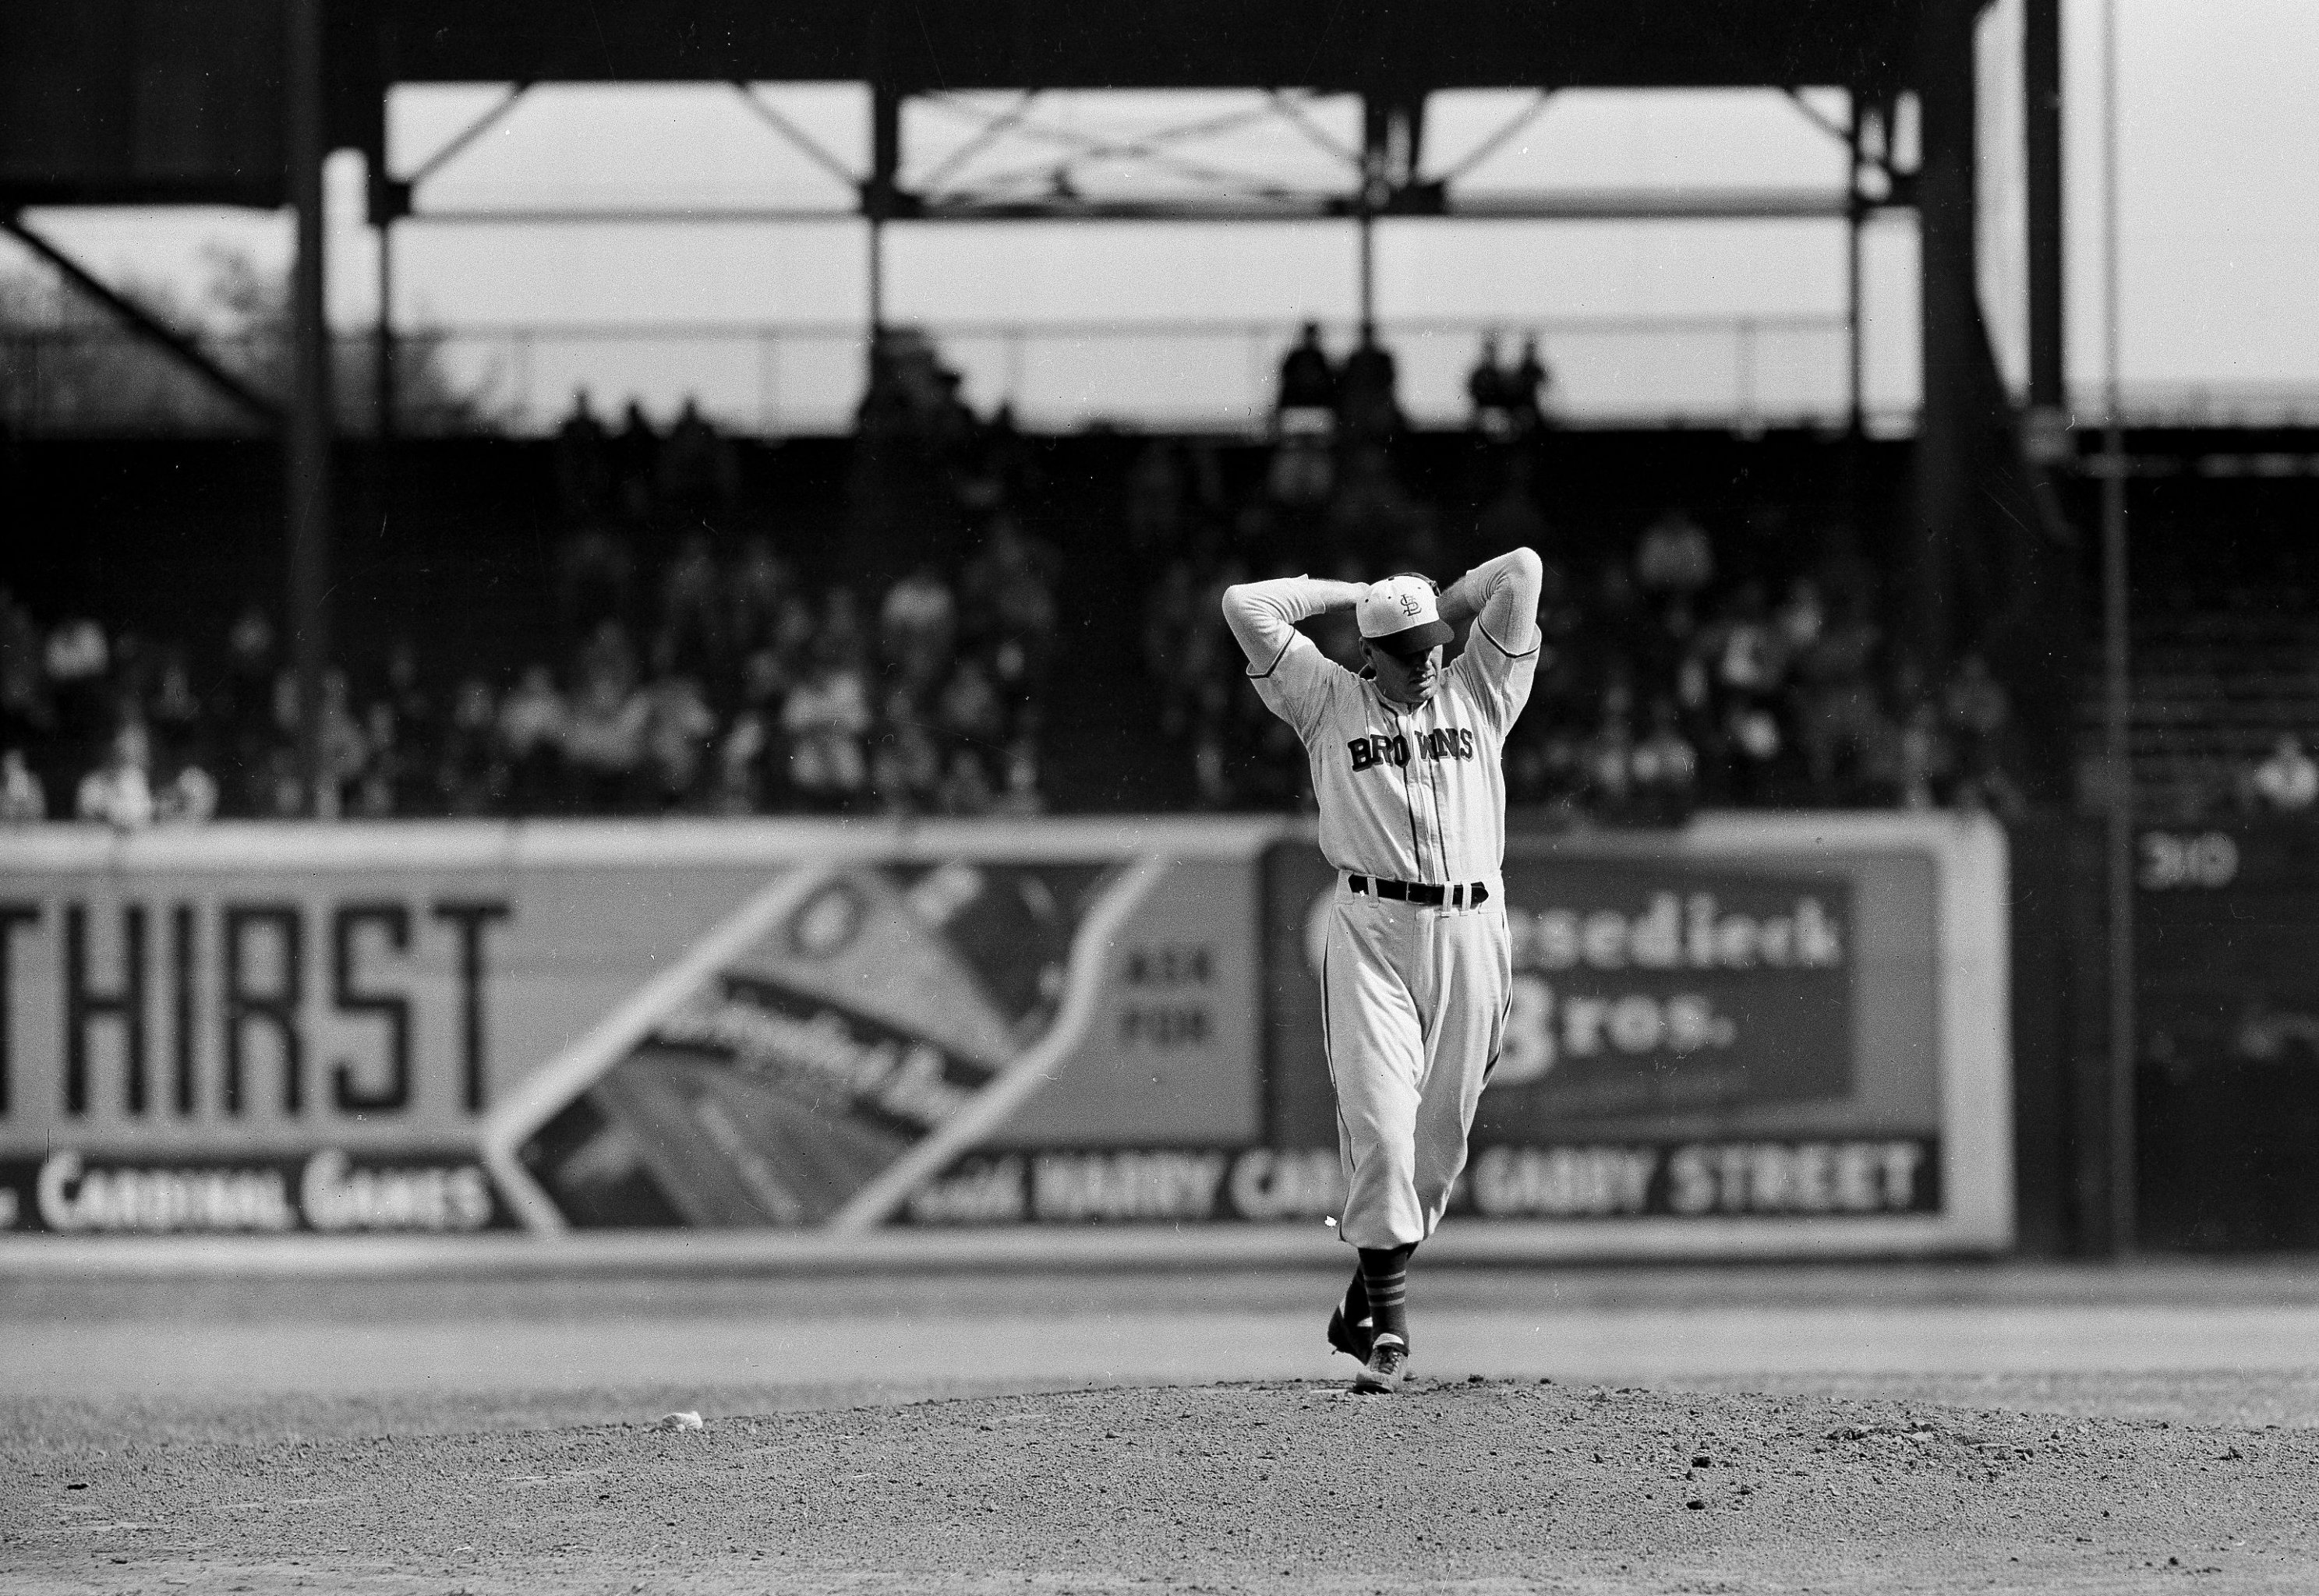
694, 672
1666, 681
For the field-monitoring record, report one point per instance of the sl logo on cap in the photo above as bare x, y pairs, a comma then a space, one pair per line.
1409, 604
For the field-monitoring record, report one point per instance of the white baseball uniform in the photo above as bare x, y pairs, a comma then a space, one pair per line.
1414, 995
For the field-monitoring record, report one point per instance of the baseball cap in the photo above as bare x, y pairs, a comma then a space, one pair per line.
1399, 616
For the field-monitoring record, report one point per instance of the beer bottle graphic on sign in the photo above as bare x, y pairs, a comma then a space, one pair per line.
830, 1045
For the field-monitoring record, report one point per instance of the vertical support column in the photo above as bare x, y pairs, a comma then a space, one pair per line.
2124, 1220
2041, 92
1855, 215
879, 193
383, 399
306, 454
1392, 135
1949, 328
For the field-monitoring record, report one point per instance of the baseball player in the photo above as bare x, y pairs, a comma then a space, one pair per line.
1417, 973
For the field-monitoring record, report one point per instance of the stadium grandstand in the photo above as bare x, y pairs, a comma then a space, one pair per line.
264, 567
895, 602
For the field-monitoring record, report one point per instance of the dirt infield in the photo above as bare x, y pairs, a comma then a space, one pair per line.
1469, 1484
1915, 1427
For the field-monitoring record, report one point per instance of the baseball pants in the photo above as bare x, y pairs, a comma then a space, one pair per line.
1414, 1006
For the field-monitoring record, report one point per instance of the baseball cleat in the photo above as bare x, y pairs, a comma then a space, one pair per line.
1388, 1362
1349, 1336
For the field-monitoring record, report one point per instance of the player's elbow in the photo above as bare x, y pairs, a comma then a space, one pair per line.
1524, 565
1239, 603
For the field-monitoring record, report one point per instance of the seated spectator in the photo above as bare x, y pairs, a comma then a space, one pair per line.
693, 605
1154, 518
178, 723
468, 773
382, 772
1925, 762
24, 680
78, 662
1673, 557
1664, 783
1976, 711
23, 799
841, 633
760, 584
603, 745
906, 769
916, 626
189, 797
679, 730
1374, 517
417, 732
742, 756
1511, 519
533, 723
120, 792
1007, 606
607, 656
594, 572
1022, 796
2287, 782
346, 751
966, 784
824, 720
971, 713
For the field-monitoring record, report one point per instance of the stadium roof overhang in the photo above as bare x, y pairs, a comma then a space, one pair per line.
142, 102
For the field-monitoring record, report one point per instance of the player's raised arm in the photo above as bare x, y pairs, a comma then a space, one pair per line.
1501, 597
1263, 615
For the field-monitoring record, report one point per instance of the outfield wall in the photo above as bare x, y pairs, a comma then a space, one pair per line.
1765, 1034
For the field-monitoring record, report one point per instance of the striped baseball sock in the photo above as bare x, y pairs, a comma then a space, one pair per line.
1385, 1271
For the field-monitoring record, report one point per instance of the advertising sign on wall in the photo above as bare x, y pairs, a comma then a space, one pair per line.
1777, 1033
1791, 1021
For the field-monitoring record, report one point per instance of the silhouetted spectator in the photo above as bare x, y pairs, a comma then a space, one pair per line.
1486, 388
1529, 389
1368, 391
693, 606
635, 458
583, 477
1308, 377
698, 475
